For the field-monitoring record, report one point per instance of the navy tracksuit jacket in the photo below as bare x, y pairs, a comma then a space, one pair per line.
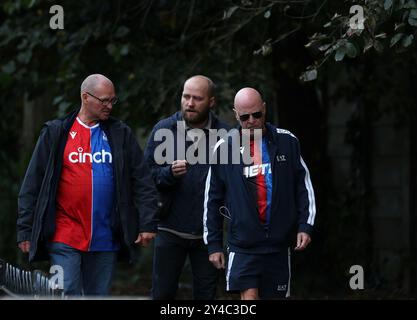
292, 207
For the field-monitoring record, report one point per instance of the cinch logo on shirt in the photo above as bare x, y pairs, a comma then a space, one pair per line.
85, 206
86, 157
252, 171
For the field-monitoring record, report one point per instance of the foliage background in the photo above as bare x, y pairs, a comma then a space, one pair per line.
148, 48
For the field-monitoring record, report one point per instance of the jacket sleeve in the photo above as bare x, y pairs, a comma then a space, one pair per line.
305, 200
212, 219
144, 193
31, 185
161, 173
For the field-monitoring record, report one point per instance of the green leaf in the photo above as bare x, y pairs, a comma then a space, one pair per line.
114, 51
381, 36
412, 18
121, 32
399, 26
325, 47
24, 56
310, 43
246, 3
63, 107
57, 100
340, 54
229, 12
23, 44
407, 41
111, 49
309, 75
388, 4
9, 68
28, 3
368, 43
396, 38
413, 14
379, 47
10, 7
266, 49
351, 50
336, 15
124, 50
411, 4
405, 15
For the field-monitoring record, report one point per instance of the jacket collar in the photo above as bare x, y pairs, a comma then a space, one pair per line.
269, 131
69, 119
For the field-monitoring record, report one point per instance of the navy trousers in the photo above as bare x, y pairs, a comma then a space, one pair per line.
169, 258
88, 273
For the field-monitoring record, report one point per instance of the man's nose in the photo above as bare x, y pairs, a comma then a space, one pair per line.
191, 102
251, 118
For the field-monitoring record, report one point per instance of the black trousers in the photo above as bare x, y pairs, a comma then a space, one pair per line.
169, 258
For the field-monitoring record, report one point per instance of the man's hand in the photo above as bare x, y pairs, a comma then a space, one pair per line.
217, 259
144, 238
24, 246
179, 168
303, 239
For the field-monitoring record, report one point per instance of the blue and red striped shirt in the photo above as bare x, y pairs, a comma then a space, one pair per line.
259, 176
84, 203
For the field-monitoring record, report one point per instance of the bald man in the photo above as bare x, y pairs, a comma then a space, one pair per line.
180, 229
265, 201
87, 193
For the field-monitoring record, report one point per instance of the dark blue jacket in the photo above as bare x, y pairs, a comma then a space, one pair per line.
135, 192
292, 208
187, 193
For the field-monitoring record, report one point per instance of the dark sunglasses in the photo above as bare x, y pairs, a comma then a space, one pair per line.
255, 115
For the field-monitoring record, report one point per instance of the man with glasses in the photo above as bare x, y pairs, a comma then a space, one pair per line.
265, 200
87, 193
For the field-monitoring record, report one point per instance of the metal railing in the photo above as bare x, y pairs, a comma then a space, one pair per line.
16, 283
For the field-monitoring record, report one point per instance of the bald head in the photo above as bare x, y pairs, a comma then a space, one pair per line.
246, 98
204, 82
250, 109
97, 99
93, 81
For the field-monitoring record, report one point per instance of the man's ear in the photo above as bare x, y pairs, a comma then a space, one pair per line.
84, 96
212, 102
236, 114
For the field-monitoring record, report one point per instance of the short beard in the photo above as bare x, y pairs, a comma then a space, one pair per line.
198, 119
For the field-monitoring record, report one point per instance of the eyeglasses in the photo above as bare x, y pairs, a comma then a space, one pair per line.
104, 102
255, 115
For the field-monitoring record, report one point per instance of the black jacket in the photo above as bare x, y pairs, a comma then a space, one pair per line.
186, 193
293, 203
135, 192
